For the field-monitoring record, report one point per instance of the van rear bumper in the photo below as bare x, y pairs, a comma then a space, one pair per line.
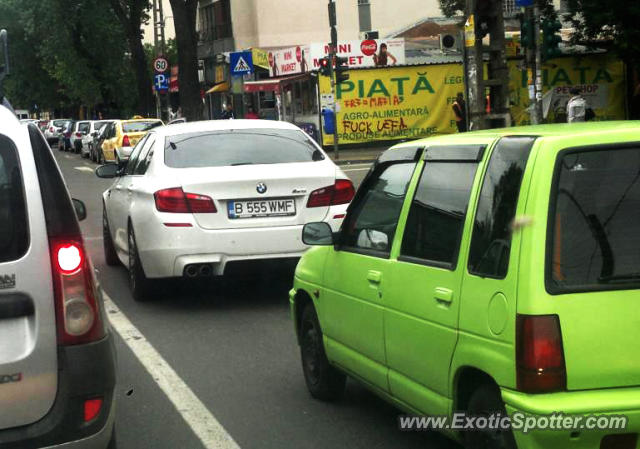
615, 402
85, 372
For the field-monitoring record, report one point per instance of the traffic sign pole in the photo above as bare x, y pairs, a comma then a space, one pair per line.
333, 53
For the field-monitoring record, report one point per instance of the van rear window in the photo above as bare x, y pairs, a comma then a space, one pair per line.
594, 226
14, 234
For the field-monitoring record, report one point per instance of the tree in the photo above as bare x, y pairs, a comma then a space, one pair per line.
132, 14
451, 8
66, 56
615, 25
184, 18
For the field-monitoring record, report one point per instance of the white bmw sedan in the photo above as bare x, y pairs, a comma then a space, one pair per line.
195, 196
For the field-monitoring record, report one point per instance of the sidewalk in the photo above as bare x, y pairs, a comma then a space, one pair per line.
358, 155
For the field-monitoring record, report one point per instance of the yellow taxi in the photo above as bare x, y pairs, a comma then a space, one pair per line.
122, 135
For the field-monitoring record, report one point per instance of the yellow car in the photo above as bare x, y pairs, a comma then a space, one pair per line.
122, 135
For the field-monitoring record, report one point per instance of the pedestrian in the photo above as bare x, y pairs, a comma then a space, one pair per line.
228, 112
576, 106
460, 111
382, 58
251, 114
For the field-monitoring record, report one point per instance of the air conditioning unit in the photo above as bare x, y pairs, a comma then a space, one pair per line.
449, 42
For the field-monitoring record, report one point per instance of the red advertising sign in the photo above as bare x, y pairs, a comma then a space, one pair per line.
369, 47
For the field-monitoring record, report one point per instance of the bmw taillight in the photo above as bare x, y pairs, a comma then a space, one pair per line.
126, 142
341, 192
540, 364
77, 312
175, 200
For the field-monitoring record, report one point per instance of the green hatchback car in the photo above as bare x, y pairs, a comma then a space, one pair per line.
494, 273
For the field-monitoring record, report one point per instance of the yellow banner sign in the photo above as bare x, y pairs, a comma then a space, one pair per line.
395, 103
260, 58
600, 77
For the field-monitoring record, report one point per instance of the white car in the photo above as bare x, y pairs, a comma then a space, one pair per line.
87, 139
195, 196
51, 133
78, 132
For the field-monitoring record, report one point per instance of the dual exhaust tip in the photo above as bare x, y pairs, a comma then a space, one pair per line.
203, 270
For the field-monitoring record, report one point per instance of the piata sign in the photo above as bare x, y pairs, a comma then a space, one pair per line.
366, 53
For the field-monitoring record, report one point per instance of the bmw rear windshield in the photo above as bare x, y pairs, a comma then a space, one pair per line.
239, 147
594, 224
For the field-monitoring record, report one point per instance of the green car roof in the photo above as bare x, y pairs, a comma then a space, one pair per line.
580, 133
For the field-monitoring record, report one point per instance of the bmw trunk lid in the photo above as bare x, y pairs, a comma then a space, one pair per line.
253, 196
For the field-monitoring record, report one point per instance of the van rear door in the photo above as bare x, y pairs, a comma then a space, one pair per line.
28, 345
593, 264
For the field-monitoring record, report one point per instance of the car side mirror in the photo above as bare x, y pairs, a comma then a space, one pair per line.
108, 171
317, 234
81, 209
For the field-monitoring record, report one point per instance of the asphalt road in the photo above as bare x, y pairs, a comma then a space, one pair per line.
232, 344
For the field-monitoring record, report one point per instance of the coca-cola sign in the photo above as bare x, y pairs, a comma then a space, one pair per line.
369, 47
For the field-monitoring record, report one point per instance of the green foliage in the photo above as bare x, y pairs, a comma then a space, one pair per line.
67, 53
451, 8
615, 23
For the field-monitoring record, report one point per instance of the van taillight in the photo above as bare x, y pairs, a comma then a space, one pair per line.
77, 312
341, 192
540, 365
175, 200
126, 142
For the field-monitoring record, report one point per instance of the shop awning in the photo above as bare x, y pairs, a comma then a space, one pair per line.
272, 84
220, 87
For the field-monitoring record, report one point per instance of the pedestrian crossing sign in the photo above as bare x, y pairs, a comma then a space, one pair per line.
241, 63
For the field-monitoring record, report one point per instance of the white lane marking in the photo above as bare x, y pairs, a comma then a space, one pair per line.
193, 411
84, 168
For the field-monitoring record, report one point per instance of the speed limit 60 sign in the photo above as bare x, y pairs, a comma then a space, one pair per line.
160, 65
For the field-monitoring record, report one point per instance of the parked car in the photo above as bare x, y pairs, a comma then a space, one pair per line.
122, 136
43, 124
52, 132
486, 273
79, 130
64, 135
89, 137
96, 146
195, 197
57, 356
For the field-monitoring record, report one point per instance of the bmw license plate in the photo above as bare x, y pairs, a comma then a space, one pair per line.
276, 207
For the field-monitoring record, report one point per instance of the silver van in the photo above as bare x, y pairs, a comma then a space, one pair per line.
57, 356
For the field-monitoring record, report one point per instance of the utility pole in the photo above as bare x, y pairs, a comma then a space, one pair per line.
536, 116
333, 56
156, 37
485, 18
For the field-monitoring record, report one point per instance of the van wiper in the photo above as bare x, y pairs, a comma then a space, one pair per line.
624, 277
241, 163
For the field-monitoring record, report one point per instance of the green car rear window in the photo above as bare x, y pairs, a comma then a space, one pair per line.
594, 225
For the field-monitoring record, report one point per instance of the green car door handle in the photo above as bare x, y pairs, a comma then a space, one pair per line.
375, 277
443, 294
